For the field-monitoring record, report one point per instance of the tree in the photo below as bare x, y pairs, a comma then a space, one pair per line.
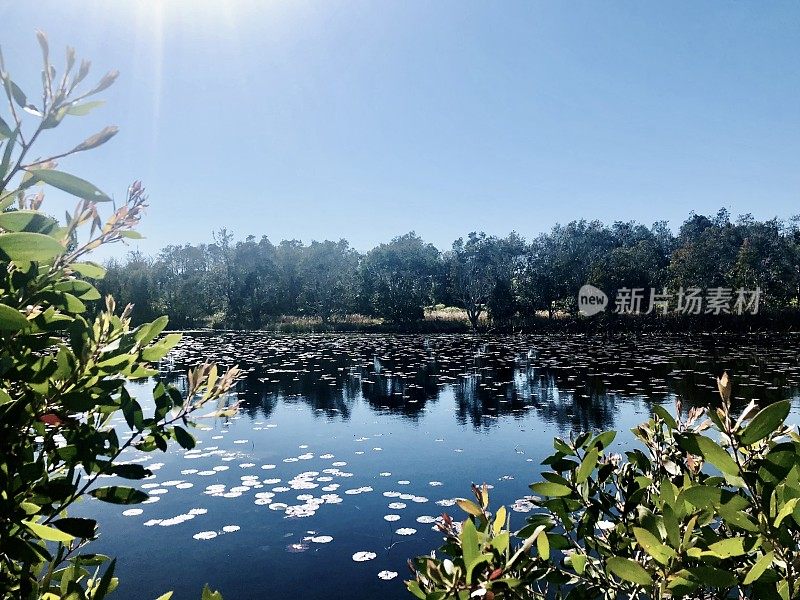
706, 254
397, 278
329, 272
538, 289
473, 269
509, 253
765, 260
638, 260
64, 374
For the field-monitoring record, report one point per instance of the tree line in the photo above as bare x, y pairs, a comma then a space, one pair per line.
496, 280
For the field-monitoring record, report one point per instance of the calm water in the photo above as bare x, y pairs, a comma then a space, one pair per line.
353, 444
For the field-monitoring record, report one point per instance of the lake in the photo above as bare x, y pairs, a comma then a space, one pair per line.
348, 447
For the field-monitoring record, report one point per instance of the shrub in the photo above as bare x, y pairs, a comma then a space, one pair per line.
708, 507
63, 374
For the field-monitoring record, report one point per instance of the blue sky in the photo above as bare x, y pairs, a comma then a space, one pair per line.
365, 120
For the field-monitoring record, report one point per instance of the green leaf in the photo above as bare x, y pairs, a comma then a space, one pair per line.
167, 596
51, 534
629, 570
11, 319
553, 490
711, 576
27, 220
702, 495
147, 332
70, 184
106, 584
603, 440
726, 548
737, 518
665, 416
767, 420
415, 590
543, 546
16, 92
7, 199
588, 464
578, 562
777, 464
66, 301
29, 247
499, 520
84, 108
671, 526
130, 471
757, 570
30, 508
77, 527
787, 510
92, 560
561, 446
469, 542
712, 452
119, 495
474, 563
501, 542
653, 546
89, 269
161, 348
81, 289
5, 130
183, 437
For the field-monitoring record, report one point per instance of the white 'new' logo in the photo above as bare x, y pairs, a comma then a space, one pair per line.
591, 300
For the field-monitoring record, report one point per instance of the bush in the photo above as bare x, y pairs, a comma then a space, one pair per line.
709, 507
64, 374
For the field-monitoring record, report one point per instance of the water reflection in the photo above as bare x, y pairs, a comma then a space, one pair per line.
575, 382
338, 432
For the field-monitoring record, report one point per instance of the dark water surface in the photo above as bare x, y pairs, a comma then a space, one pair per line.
352, 444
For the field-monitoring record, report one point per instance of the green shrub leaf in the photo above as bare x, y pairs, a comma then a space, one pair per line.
11, 319
712, 452
757, 570
588, 464
727, 548
653, 546
70, 184
28, 247
51, 534
629, 570
77, 527
89, 269
119, 495
469, 542
548, 488
767, 420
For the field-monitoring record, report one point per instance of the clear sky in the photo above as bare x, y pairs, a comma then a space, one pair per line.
365, 120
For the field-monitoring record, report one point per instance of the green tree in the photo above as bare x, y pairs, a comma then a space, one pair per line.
765, 260
329, 272
397, 278
473, 270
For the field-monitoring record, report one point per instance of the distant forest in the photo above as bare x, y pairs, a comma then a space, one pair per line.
497, 282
